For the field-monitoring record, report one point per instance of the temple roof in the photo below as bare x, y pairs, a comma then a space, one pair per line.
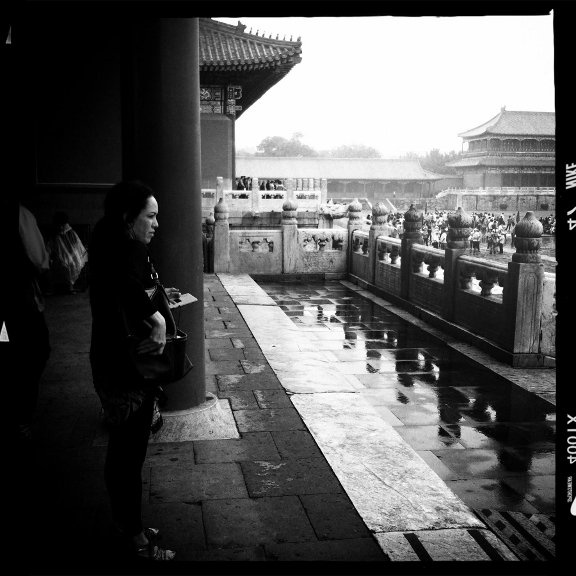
332, 168
502, 161
231, 56
514, 123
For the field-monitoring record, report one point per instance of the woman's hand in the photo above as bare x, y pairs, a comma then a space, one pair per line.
173, 294
156, 340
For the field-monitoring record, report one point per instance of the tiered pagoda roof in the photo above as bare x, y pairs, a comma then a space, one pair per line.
333, 168
231, 56
515, 123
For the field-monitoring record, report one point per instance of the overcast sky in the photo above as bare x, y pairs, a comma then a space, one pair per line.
401, 84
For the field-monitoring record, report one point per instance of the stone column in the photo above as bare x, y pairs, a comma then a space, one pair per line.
289, 236
459, 230
354, 216
161, 146
221, 238
522, 297
379, 227
412, 235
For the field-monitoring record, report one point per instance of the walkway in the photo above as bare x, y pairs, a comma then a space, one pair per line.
330, 459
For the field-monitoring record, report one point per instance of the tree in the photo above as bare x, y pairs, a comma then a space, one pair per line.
280, 146
354, 151
435, 161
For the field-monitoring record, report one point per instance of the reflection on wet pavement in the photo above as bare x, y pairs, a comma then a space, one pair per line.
491, 441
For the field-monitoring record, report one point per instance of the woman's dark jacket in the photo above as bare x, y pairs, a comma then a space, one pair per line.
120, 272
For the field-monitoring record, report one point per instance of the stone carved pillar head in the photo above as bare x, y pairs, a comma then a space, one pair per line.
459, 229
379, 215
289, 209
354, 212
413, 225
528, 233
221, 211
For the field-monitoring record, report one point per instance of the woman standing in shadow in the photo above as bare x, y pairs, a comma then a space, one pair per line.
120, 274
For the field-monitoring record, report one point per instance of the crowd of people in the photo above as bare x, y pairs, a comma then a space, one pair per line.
493, 230
245, 183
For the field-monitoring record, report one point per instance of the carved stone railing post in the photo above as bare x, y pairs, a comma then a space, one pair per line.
354, 216
459, 230
256, 196
290, 187
524, 289
221, 240
412, 235
289, 236
379, 227
219, 188
323, 191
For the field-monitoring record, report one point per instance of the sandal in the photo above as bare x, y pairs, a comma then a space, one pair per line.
152, 552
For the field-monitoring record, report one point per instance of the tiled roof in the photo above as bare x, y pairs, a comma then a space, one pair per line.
515, 123
332, 168
224, 47
231, 56
502, 161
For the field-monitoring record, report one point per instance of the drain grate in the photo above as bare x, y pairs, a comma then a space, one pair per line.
530, 536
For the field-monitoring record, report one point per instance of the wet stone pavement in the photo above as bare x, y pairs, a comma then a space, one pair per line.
490, 441
359, 437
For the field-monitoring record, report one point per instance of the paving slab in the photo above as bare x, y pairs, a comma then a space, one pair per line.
389, 484
344, 551
251, 446
268, 420
245, 522
196, 483
287, 477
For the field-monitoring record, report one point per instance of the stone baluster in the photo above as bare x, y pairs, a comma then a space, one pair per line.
323, 191
221, 240
290, 187
256, 197
432, 266
412, 235
465, 277
459, 230
289, 236
379, 227
219, 188
394, 254
354, 216
523, 293
487, 281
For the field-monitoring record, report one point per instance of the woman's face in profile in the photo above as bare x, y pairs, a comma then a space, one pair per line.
146, 222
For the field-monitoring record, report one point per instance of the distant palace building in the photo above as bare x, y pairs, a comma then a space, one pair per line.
401, 181
513, 149
236, 69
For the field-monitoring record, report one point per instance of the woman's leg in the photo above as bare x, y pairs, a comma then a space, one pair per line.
127, 447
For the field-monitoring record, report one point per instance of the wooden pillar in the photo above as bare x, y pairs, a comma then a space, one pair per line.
161, 136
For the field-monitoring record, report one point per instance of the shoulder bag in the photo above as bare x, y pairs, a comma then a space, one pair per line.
173, 364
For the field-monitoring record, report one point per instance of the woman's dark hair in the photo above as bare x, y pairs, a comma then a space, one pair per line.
125, 201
